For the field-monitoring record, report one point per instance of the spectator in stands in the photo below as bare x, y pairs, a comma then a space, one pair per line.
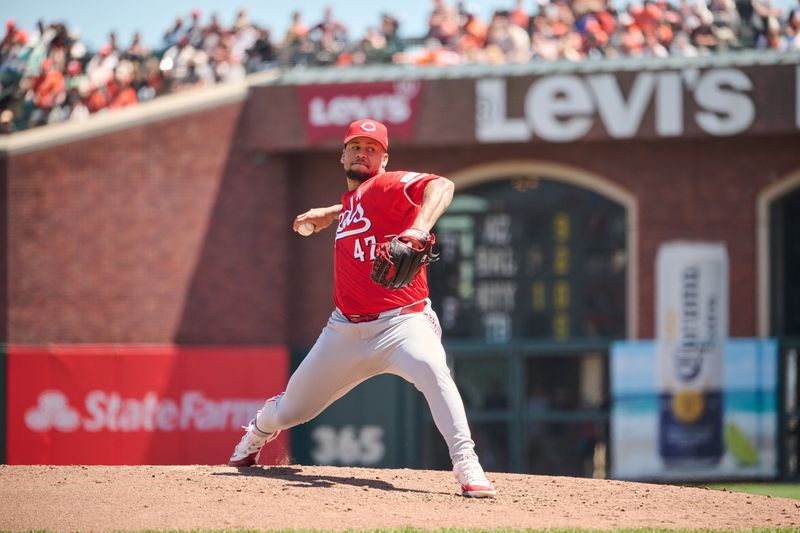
509, 38
137, 51
793, 30
174, 34
682, 46
763, 24
371, 49
330, 38
652, 47
703, 35
295, 38
772, 37
519, 15
790, 18
194, 28
95, 97
10, 40
543, 47
100, 68
7, 122
390, 28
262, 54
227, 65
123, 93
472, 38
443, 23
175, 63
297, 30
47, 92
725, 22
148, 80
378, 45
112, 42
48, 74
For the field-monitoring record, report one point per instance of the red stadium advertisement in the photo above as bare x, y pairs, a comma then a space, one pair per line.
111, 405
328, 109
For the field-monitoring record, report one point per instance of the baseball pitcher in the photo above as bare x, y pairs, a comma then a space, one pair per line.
383, 321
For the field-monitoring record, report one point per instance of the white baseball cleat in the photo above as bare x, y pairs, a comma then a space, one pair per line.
249, 448
473, 480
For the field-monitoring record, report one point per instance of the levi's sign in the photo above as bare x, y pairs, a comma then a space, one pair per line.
568, 107
328, 109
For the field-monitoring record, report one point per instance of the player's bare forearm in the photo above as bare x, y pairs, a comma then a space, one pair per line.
435, 201
321, 217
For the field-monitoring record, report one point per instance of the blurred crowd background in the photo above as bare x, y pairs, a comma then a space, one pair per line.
48, 75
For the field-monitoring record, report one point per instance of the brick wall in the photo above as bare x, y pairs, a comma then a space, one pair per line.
156, 233
180, 230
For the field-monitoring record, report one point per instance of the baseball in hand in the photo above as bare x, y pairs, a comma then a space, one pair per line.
305, 229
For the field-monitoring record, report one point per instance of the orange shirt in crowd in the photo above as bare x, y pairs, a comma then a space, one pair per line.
96, 101
520, 17
124, 96
474, 34
47, 87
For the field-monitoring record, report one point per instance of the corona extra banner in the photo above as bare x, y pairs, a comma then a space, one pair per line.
120, 404
645, 446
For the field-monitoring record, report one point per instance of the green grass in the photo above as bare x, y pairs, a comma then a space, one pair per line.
779, 490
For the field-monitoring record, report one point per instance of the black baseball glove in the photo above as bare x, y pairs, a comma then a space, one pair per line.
397, 262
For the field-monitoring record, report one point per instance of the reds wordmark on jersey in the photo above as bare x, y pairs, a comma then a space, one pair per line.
378, 210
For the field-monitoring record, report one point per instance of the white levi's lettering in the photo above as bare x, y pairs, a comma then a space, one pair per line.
408, 179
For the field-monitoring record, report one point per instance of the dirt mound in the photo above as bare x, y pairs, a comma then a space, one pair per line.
113, 498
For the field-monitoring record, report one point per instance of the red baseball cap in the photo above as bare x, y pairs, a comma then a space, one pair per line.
366, 127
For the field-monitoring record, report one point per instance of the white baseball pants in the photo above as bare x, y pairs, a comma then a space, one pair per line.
347, 354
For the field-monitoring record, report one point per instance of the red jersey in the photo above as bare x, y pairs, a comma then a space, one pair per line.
377, 211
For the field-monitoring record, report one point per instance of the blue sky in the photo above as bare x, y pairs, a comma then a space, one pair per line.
153, 17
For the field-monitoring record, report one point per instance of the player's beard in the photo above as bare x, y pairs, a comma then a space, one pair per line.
360, 177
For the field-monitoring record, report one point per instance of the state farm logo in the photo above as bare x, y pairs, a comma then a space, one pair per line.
392, 105
108, 411
52, 412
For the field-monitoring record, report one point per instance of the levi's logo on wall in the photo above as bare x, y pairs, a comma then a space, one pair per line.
122, 404
567, 107
329, 109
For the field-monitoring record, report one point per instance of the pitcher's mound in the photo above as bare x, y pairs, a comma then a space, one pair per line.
132, 498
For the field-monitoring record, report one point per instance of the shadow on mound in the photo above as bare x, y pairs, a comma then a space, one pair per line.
295, 478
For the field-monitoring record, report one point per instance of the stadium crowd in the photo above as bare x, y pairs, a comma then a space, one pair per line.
47, 74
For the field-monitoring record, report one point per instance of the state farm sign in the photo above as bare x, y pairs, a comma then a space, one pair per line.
329, 109
138, 404
567, 107
109, 411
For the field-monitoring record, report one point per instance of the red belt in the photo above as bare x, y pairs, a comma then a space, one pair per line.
407, 310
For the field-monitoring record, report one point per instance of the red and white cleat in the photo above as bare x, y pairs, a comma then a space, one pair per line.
473, 480
249, 448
